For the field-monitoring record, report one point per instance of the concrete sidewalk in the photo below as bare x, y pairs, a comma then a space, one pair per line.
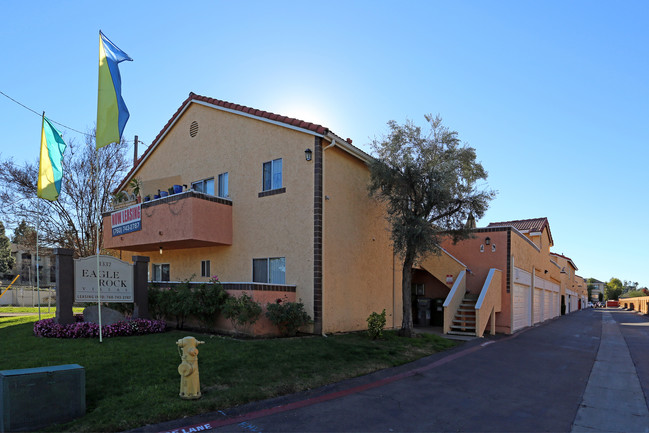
613, 400
545, 378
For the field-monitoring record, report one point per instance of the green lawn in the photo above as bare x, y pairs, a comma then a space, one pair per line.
133, 381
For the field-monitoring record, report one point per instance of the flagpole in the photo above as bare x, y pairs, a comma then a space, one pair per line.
38, 283
38, 227
99, 216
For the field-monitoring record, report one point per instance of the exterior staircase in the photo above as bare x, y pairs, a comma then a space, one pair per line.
464, 322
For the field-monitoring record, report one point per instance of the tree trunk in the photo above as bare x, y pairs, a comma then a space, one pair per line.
406, 283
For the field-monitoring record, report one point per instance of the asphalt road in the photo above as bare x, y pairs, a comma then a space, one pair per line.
588, 371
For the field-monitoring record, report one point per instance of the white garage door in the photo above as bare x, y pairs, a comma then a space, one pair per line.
521, 306
547, 305
556, 300
538, 305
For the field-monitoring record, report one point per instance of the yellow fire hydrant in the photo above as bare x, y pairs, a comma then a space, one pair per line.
190, 386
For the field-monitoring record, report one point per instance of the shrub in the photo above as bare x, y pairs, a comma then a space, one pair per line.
173, 302
287, 316
242, 311
203, 301
375, 325
209, 299
50, 329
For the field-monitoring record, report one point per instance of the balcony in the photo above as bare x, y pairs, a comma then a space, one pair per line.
186, 220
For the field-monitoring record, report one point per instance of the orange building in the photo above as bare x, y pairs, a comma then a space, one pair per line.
532, 286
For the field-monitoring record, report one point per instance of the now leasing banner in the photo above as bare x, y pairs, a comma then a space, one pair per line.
115, 278
126, 220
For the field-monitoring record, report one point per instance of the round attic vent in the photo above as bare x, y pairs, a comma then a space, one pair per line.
193, 129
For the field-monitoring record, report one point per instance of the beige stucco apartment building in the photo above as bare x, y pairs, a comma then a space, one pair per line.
274, 206
279, 208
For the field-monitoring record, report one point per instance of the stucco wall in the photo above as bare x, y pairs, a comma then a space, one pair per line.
360, 274
524, 254
274, 226
480, 262
441, 265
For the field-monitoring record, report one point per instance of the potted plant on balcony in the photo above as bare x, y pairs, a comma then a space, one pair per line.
119, 199
136, 186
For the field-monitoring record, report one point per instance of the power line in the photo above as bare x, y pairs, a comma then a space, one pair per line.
39, 114
53, 121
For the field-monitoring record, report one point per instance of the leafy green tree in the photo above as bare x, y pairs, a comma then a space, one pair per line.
614, 289
25, 235
629, 286
634, 294
7, 261
428, 183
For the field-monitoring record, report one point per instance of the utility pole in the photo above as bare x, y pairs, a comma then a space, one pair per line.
135, 151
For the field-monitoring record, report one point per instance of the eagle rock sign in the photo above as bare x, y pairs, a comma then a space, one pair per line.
114, 277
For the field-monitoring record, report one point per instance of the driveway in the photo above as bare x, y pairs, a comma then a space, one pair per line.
535, 380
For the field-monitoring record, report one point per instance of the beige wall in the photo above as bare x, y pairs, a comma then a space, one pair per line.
441, 265
360, 274
275, 226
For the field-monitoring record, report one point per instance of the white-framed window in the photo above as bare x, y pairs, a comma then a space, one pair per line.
205, 185
271, 270
272, 174
161, 272
223, 185
205, 268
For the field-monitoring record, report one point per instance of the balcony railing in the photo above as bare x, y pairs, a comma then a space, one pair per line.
187, 220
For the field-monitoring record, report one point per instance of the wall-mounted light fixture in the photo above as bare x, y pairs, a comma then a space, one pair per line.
160, 249
563, 270
487, 241
307, 154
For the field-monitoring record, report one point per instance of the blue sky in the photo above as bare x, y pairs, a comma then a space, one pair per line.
553, 95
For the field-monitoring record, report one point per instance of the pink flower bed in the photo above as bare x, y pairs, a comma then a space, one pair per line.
50, 329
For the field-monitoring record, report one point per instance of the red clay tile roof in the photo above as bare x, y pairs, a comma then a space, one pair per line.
318, 129
532, 225
565, 257
259, 113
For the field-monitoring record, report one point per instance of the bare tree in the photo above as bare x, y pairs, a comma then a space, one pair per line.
89, 176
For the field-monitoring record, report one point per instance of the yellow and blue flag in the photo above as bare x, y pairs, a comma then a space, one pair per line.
49, 170
112, 113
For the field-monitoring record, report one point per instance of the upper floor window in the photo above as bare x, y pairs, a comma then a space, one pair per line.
223, 185
273, 174
205, 185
